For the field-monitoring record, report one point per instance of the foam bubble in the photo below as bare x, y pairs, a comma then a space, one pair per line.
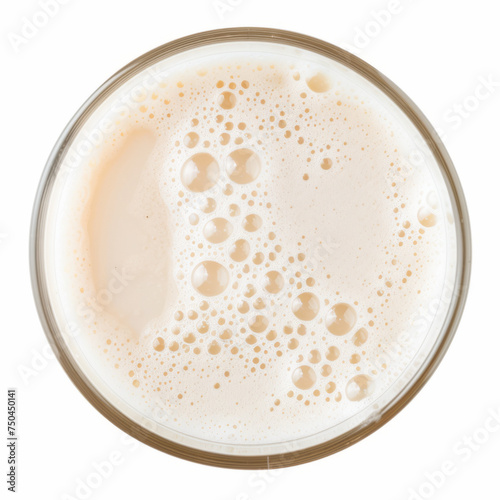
210, 278
217, 230
243, 166
240, 250
200, 172
252, 223
304, 377
341, 319
320, 82
306, 306
359, 387
274, 282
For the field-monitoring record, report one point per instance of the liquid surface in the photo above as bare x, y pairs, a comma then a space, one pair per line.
244, 245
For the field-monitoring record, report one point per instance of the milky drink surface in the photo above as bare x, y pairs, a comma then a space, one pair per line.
244, 243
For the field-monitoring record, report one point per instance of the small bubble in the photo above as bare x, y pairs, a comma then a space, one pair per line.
243, 166
426, 217
217, 230
355, 358
189, 338
191, 139
359, 387
360, 337
200, 172
259, 303
326, 164
314, 356
224, 139
319, 83
332, 353
214, 347
330, 387
234, 210
304, 377
240, 250
226, 334
274, 282
326, 370
209, 205
243, 307
158, 344
249, 291
258, 258
271, 335
306, 306
340, 319
252, 223
227, 100
210, 278
258, 323
202, 326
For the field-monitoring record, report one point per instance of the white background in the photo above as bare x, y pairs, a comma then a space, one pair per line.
438, 53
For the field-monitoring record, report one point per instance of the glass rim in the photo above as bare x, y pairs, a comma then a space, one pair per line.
56, 338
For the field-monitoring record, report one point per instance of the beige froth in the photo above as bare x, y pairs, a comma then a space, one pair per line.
245, 244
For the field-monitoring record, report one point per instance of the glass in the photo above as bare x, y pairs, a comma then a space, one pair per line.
62, 335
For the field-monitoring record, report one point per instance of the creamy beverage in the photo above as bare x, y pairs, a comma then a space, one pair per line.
251, 247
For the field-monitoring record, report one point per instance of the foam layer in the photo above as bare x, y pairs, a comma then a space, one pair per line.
245, 242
